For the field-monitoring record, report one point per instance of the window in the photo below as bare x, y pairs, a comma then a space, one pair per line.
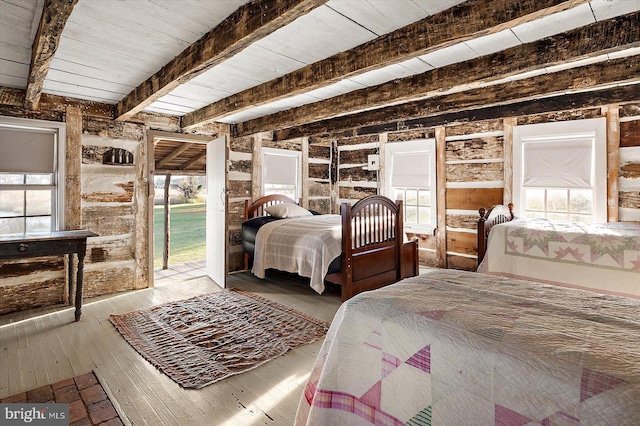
410, 177
281, 172
31, 198
559, 171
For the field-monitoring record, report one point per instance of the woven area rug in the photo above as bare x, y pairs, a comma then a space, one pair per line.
204, 339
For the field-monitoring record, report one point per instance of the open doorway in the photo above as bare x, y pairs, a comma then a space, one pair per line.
187, 199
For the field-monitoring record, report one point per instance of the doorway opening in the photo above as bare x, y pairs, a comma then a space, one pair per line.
184, 215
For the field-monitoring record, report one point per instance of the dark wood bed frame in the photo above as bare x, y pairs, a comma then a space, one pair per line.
374, 253
496, 214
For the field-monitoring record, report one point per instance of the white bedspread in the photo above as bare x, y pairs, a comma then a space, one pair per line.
303, 245
462, 348
603, 257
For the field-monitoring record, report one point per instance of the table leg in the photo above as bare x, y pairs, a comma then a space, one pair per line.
82, 250
72, 286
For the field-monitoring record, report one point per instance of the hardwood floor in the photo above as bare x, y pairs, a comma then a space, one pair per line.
44, 346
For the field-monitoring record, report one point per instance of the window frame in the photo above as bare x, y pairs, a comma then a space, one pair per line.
58, 176
413, 146
287, 153
594, 128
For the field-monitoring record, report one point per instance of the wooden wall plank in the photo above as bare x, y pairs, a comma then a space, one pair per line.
629, 199
462, 242
473, 198
630, 133
474, 172
461, 262
509, 122
612, 115
73, 162
480, 148
441, 206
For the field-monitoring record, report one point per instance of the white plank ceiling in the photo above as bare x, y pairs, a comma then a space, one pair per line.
108, 47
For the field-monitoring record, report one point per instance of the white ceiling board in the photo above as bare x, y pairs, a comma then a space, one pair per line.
170, 108
317, 35
79, 92
449, 55
624, 53
18, 24
493, 43
416, 65
135, 39
377, 16
434, 6
57, 76
264, 65
605, 9
343, 86
555, 24
382, 75
189, 103
197, 92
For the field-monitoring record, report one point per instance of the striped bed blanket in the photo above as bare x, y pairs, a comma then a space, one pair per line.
304, 245
462, 348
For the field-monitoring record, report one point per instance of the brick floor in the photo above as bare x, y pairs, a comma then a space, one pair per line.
88, 403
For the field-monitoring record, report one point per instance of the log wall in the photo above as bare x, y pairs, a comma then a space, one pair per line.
110, 200
478, 172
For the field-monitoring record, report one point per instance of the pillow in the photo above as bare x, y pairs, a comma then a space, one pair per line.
285, 210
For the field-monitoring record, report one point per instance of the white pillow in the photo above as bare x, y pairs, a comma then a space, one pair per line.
285, 210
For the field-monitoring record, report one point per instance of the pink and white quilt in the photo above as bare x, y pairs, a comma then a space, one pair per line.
461, 348
603, 257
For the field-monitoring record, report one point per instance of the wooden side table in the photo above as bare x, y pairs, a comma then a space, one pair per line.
19, 246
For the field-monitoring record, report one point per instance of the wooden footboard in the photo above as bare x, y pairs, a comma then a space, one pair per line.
374, 253
496, 214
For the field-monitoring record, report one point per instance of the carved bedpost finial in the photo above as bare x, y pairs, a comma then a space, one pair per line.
510, 205
482, 212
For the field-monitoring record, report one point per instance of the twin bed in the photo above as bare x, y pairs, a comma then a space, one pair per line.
456, 348
361, 249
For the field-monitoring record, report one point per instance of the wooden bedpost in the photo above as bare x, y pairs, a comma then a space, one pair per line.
347, 271
481, 237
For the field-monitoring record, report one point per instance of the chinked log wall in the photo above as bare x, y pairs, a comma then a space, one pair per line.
108, 200
478, 172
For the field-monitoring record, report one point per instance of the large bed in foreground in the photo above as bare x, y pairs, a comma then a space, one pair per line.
462, 348
361, 249
465, 348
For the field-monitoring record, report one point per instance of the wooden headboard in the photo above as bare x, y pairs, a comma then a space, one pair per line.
496, 214
256, 208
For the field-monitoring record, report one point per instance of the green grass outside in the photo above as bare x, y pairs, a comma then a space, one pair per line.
187, 234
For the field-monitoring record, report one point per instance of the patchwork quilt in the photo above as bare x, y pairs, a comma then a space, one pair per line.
601, 257
462, 348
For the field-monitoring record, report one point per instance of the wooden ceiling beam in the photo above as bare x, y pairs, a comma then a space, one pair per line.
54, 17
543, 89
174, 154
194, 161
250, 23
463, 22
586, 42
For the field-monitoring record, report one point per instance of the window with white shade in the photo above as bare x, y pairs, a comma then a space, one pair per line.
409, 170
31, 197
281, 172
559, 171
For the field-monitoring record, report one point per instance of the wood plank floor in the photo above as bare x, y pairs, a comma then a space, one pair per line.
44, 346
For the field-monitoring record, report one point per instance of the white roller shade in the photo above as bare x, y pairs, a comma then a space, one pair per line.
410, 170
26, 151
558, 163
280, 169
